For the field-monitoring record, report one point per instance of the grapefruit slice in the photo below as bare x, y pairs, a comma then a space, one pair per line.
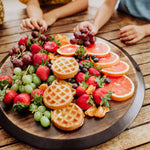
122, 88
68, 50
99, 49
109, 60
117, 70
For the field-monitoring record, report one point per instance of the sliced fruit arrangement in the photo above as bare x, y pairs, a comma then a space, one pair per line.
47, 73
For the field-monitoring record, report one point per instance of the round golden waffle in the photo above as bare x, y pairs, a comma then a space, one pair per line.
57, 96
65, 67
68, 118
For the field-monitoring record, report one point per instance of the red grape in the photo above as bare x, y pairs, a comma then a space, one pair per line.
90, 34
18, 63
77, 35
26, 59
43, 29
83, 36
16, 49
22, 48
86, 43
92, 40
43, 37
11, 52
35, 34
73, 41
27, 53
84, 30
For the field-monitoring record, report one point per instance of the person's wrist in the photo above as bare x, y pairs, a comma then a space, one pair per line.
47, 17
146, 29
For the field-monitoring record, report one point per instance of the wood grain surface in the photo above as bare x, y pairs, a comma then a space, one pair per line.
136, 136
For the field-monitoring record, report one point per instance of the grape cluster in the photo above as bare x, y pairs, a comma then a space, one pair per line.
41, 114
84, 37
25, 81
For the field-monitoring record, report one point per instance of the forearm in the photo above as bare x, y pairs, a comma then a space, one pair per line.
104, 13
68, 9
34, 10
146, 29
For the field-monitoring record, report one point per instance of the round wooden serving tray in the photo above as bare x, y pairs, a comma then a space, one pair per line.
93, 132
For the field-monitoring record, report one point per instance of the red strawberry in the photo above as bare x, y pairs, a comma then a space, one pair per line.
83, 103
9, 96
23, 41
98, 93
38, 92
35, 48
6, 77
94, 71
80, 90
91, 81
37, 58
83, 61
23, 98
43, 72
51, 46
80, 77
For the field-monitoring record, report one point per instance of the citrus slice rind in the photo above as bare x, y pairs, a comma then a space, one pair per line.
67, 50
99, 49
118, 85
109, 60
117, 70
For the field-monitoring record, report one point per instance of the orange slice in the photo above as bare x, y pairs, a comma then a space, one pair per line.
117, 70
109, 60
68, 50
122, 88
99, 49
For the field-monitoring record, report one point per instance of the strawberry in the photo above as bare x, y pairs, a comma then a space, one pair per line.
23, 98
84, 101
43, 72
81, 89
38, 57
6, 77
21, 102
38, 92
91, 81
35, 48
94, 71
23, 41
80, 77
101, 96
50, 46
9, 96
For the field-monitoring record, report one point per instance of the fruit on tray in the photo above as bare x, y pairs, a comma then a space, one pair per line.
63, 82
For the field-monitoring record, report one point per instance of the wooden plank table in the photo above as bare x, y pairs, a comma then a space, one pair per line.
136, 136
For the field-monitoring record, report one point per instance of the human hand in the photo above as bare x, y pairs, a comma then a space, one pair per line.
131, 34
33, 23
86, 24
50, 18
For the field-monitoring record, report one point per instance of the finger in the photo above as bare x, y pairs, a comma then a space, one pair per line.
34, 22
42, 23
126, 28
28, 24
127, 38
76, 29
21, 27
126, 34
132, 41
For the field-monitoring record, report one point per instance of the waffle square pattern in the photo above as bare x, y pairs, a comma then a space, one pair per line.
65, 67
68, 118
57, 96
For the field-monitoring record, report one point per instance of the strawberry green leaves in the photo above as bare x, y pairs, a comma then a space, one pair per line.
106, 99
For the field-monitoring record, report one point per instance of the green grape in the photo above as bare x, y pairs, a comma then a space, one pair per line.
36, 80
28, 88
15, 77
37, 116
34, 75
42, 109
17, 71
27, 79
21, 89
15, 87
45, 122
47, 114
51, 78
17, 81
33, 85
33, 107
31, 69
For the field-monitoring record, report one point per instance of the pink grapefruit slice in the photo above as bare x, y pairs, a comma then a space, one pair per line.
109, 60
117, 70
122, 88
68, 50
99, 49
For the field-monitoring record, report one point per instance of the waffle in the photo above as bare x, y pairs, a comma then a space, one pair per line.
57, 96
66, 83
68, 118
65, 67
